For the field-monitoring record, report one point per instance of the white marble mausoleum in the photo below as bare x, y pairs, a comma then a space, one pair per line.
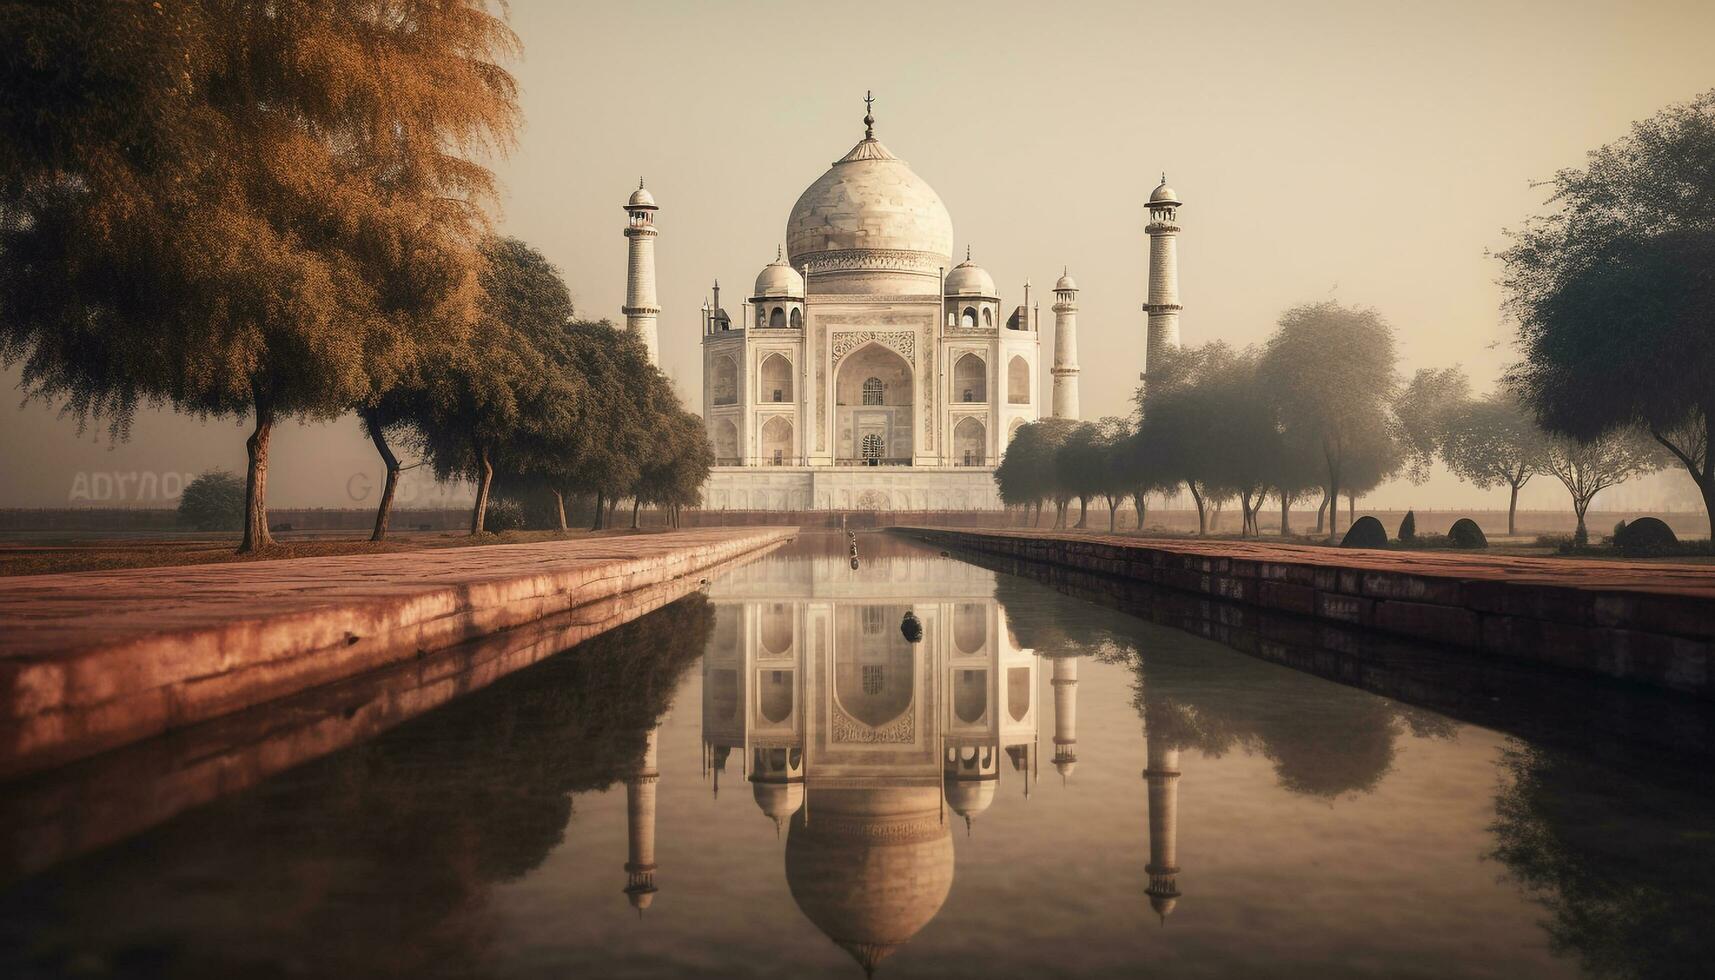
867, 370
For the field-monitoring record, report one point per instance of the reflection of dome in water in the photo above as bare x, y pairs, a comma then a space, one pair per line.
872, 867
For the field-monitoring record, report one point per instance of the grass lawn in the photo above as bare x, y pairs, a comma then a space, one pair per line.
37, 558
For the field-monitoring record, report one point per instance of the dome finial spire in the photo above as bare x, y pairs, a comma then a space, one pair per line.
967, 251
868, 115
640, 183
777, 252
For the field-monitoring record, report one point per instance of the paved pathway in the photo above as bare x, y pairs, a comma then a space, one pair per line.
89, 660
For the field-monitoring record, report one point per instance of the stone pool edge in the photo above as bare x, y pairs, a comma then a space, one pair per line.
117, 690
1662, 638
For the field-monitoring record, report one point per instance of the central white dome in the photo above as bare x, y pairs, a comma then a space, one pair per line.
870, 225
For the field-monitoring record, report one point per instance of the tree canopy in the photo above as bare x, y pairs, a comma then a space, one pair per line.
1614, 291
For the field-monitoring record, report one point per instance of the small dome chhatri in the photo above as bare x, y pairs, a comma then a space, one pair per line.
1164, 194
1065, 282
779, 280
640, 198
970, 279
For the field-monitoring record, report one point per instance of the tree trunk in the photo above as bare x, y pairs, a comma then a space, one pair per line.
560, 509
1285, 515
383, 510
636, 509
1512, 513
256, 535
484, 477
1137, 503
596, 524
1113, 515
1038, 521
612, 505
1197, 498
1083, 512
1333, 512
1351, 508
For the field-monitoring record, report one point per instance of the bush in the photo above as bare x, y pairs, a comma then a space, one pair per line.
1466, 534
1643, 535
1408, 527
503, 515
213, 501
1365, 532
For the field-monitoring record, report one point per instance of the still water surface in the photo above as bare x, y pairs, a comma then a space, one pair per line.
773, 780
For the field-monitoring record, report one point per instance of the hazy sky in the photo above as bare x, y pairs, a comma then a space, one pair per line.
1368, 151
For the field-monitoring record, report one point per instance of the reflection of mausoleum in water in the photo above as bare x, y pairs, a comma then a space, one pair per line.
868, 747
867, 750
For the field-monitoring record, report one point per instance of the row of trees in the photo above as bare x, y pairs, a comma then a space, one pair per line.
274, 209
1311, 412
1289, 422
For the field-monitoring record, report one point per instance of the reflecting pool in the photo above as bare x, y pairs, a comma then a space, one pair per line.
918, 767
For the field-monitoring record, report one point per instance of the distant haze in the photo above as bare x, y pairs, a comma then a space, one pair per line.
1371, 152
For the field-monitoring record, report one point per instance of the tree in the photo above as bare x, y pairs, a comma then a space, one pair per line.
675, 475
1613, 295
475, 399
198, 198
1081, 466
1028, 473
213, 501
1588, 467
1332, 369
1183, 412
1494, 442
1423, 413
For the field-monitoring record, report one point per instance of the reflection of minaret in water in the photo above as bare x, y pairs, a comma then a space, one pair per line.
1065, 681
1162, 775
640, 825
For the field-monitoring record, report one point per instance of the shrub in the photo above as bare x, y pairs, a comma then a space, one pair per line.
1619, 530
503, 515
1466, 534
213, 501
1643, 535
1365, 532
1408, 527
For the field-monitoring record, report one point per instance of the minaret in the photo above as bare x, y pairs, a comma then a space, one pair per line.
1163, 305
1065, 681
640, 827
1066, 351
641, 308
1162, 775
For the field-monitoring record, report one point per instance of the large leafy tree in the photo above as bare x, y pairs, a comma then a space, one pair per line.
1614, 292
1332, 367
238, 207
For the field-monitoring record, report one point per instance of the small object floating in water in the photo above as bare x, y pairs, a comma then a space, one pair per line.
911, 627
854, 562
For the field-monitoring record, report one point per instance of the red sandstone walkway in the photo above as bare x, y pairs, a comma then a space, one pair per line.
89, 660
1659, 578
